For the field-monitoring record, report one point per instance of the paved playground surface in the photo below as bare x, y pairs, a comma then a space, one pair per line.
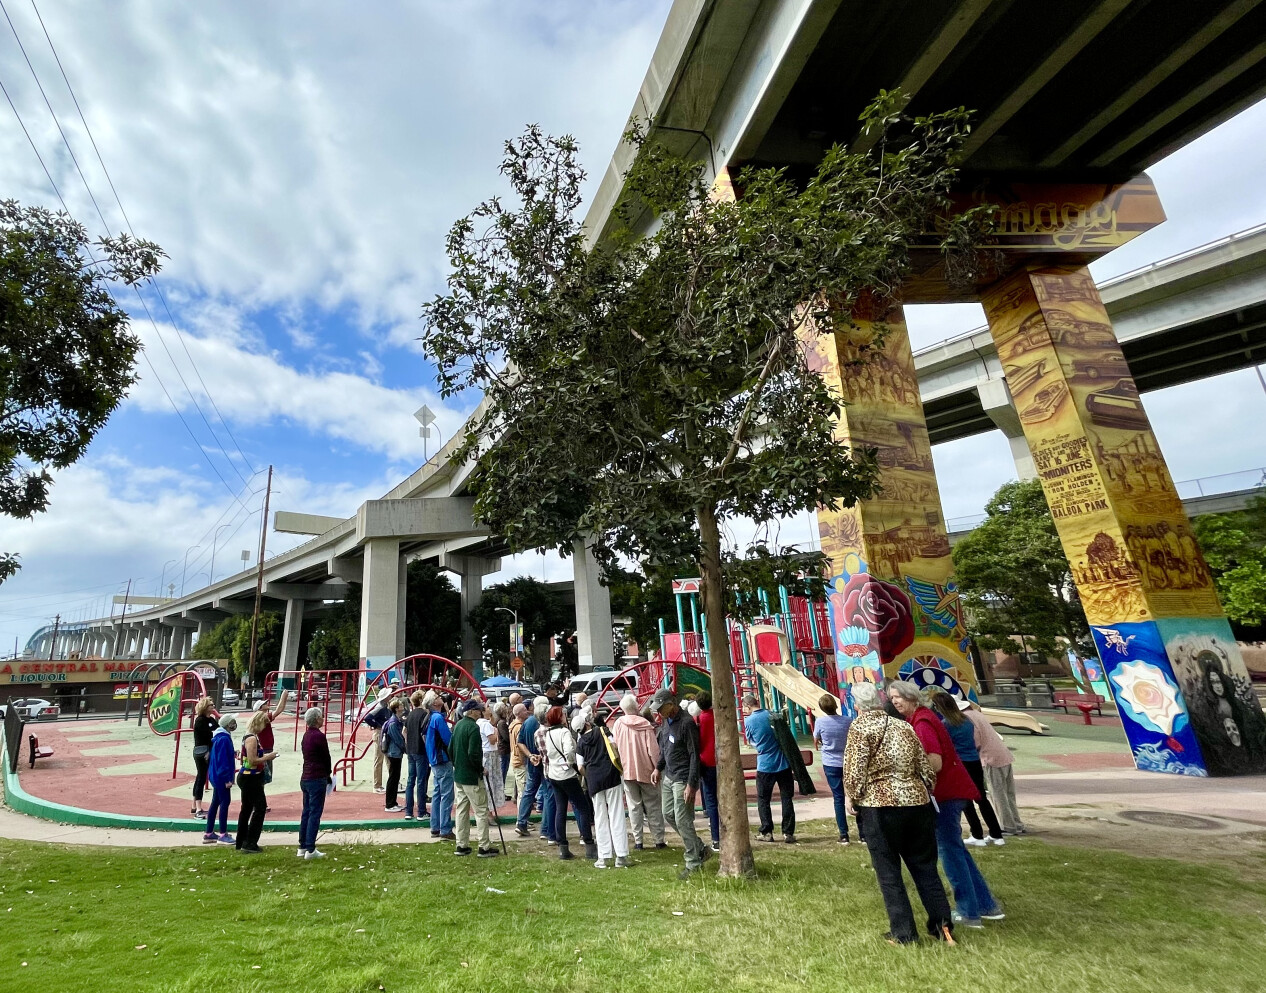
110, 765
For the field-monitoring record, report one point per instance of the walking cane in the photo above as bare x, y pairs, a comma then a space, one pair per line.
493, 814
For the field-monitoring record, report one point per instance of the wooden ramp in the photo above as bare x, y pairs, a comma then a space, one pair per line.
794, 685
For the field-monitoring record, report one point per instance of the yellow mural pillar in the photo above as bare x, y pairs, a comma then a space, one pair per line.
894, 607
1167, 650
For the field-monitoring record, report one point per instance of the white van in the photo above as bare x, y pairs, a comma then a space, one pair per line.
607, 686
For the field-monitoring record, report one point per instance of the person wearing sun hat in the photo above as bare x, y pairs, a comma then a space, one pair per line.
467, 751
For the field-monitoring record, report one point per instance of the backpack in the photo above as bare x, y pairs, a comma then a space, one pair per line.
377, 717
611, 751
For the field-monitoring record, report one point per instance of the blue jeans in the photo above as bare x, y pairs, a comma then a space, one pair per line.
565, 790
835, 780
220, 796
528, 800
310, 819
419, 776
442, 799
971, 893
708, 787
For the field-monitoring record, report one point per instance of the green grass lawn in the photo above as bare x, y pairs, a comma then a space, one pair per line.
395, 917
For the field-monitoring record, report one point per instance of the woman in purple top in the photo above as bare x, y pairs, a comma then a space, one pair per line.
314, 781
830, 733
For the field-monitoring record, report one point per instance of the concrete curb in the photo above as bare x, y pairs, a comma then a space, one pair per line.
17, 799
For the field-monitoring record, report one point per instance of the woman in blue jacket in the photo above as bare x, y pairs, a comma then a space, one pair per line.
221, 765
393, 747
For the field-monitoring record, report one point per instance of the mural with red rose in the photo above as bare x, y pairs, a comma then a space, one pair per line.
880, 607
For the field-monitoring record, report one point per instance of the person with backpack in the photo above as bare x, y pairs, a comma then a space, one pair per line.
772, 769
415, 752
438, 737
393, 746
250, 780
596, 754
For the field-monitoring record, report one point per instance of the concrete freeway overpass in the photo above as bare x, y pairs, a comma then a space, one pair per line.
1066, 93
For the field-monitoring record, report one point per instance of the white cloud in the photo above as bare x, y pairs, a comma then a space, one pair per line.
254, 386
315, 151
112, 519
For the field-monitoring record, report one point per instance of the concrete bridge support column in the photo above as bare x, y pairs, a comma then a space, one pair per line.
995, 397
180, 642
472, 570
593, 611
892, 549
381, 641
1167, 650
291, 634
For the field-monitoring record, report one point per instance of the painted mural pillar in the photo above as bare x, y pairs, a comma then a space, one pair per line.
893, 604
1167, 650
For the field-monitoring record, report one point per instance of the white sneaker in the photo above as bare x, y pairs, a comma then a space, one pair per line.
395, 810
996, 841
301, 853
314, 854
380, 789
975, 842
600, 864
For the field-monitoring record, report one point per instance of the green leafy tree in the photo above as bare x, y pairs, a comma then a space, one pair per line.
1015, 581
542, 613
66, 352
335, 641
644, 600
267, 646
433, 623
218, 642
1234, 545
433, 617
640, 395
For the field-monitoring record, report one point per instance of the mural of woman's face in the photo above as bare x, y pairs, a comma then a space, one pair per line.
1215, 683
1232, 731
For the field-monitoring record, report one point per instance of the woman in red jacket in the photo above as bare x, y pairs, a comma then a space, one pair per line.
954, 790
708, 765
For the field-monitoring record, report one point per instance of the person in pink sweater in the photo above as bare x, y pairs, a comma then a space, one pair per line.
638, 748
996, 759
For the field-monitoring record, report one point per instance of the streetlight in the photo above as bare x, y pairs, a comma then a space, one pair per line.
213, 541
164, 575
514, 635
185, 569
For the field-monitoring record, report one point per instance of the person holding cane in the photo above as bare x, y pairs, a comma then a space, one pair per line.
467, 752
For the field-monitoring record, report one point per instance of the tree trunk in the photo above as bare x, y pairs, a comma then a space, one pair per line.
736, 838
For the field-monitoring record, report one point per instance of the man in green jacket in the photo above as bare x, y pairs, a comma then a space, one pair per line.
467, 751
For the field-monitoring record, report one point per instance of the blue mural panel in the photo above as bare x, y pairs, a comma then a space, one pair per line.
1149, 699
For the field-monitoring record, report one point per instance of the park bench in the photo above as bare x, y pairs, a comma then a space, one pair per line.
38, 751
748, 761
1085, 702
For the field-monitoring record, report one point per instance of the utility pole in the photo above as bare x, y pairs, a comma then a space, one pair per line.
259, 579
114, 654
52, 649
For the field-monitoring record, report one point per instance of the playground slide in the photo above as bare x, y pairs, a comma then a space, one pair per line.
793, 684
801, 690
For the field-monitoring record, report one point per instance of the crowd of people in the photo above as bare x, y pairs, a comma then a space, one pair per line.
908, 767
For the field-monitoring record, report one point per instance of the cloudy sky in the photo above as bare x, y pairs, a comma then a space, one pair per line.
300, 163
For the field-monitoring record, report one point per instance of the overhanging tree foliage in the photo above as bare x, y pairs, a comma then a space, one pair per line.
1015, 580
640, 395
1234, 545
66, 354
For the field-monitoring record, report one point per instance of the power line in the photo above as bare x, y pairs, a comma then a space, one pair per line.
157, 378
106, 226
128, 221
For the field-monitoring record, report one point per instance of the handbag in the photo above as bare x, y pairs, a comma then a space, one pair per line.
612, 754
201, 751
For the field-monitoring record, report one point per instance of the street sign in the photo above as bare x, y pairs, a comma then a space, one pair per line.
516, 664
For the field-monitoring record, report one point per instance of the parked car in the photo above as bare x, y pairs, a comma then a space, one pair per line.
33, 709
606, 685
229, 698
